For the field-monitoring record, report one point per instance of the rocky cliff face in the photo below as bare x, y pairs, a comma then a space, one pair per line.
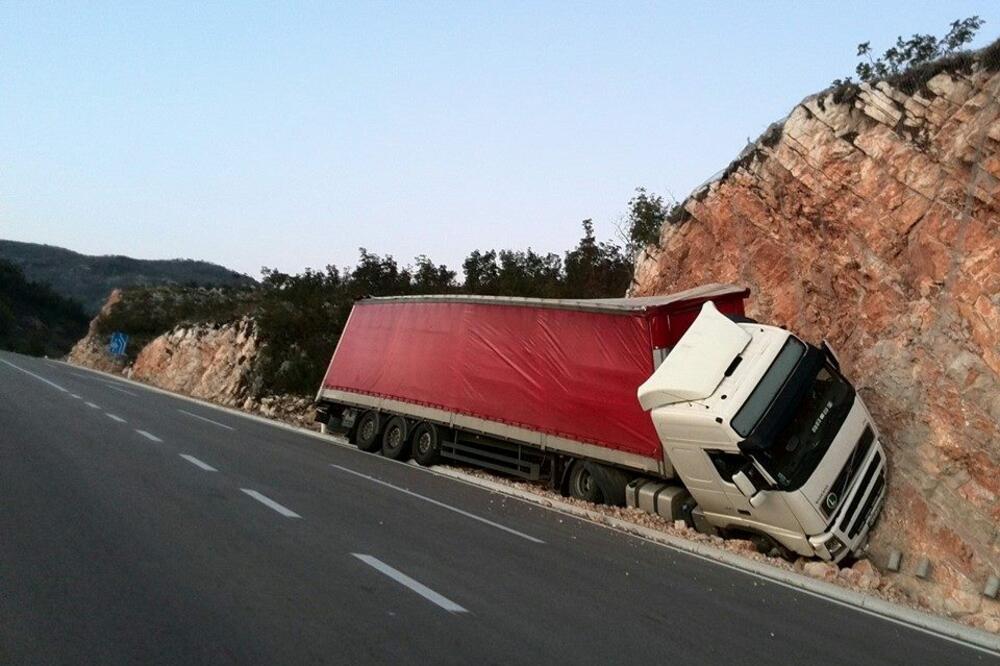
92, 350
874, 222
210, 361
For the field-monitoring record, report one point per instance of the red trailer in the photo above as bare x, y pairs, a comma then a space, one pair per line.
521, 385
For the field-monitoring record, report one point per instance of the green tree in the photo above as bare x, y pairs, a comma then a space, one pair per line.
647, 213
595, 269
913, 53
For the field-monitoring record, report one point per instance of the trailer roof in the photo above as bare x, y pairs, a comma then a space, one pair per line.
619, 305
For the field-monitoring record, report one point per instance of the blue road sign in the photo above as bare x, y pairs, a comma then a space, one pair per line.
118, 343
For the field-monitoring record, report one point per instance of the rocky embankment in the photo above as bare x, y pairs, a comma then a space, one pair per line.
212, 361
871, 218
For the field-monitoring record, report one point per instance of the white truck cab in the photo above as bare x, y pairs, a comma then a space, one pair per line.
768, 436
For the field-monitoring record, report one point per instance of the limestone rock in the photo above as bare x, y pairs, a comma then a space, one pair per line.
208, 361
875, 223
92, 349
822, 570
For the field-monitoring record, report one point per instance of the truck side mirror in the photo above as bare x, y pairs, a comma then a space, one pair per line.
745, 485
748, 487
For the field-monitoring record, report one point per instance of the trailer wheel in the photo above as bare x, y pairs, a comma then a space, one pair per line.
426, 444
395, 444
367, 435
583, 485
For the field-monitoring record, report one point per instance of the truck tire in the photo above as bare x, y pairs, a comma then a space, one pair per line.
395, 440
426, 443
611, 482
582, 484
366, 437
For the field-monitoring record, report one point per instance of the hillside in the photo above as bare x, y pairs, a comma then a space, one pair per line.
33, 318
869, 217
89, 279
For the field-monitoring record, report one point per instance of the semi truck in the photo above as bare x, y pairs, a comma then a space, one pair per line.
678, 404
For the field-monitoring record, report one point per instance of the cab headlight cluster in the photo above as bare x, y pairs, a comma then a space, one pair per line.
834, 546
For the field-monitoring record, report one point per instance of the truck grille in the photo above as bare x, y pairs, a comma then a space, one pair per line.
867, 493
843, 482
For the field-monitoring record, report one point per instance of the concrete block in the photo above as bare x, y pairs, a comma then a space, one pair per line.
992, 587
895, 559
923, 568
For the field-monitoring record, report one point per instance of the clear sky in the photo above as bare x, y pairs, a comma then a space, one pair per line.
288, 135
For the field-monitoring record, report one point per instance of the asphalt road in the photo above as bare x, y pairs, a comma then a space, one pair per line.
137, 527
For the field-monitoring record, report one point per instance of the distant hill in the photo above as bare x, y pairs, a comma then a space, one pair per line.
33, 318
89, 279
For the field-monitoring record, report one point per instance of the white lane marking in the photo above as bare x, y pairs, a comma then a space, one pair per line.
38, 377
198, 463
148, 435
114, 418
221, 425
74, 395
121, 390
440, 504
267, 501
92, 405
401, 578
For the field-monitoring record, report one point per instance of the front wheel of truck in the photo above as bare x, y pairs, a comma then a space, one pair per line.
366, 437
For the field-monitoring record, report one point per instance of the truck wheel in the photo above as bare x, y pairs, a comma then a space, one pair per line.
426, 444
583, 485
395, 444
367, 435
611, 482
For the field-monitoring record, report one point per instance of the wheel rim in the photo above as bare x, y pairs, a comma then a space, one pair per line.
395, 438
424, 443
585, 483
367, 430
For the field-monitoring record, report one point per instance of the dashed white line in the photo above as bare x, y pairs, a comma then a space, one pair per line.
114, 418
149, 436
74, 395
441, 504
38, 377
268, 502
401, 578
198, 463
92, 405
221, 425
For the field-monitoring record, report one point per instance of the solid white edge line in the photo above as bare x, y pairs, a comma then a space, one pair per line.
148, 435
114, 418
191, 414
92, 405
401, 578
440, 504
197, 463
120, 390
932, 625
38, 377
268, 502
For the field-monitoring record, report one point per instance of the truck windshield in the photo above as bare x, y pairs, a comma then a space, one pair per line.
796, 427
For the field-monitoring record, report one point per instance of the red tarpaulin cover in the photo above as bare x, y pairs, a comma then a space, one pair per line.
563, 372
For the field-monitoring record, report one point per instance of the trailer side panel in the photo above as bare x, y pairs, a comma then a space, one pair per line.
568, 373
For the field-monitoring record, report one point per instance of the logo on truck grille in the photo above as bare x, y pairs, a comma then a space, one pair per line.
831, 501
